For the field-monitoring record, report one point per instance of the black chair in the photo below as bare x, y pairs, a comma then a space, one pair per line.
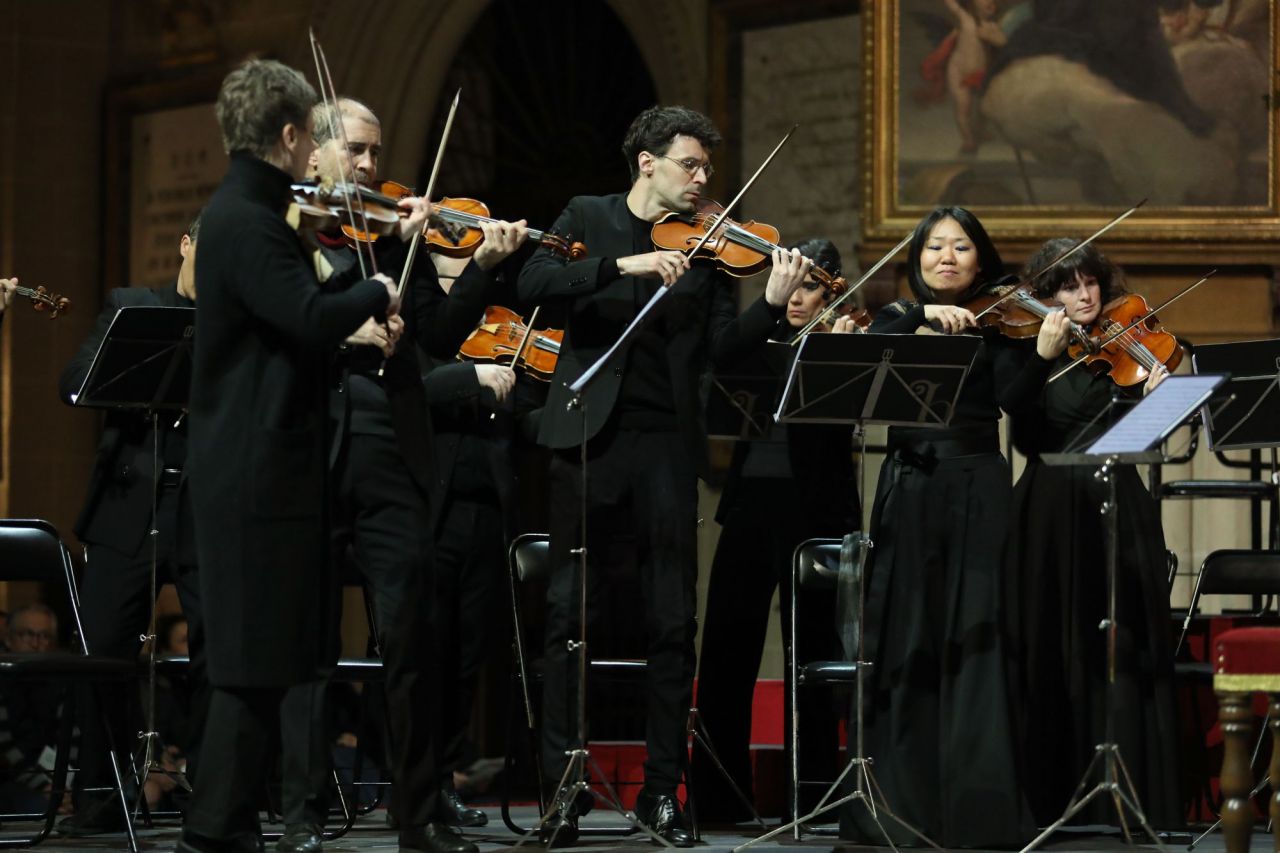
32, 550
529, 561
1249, 572
1234, 572
814, 567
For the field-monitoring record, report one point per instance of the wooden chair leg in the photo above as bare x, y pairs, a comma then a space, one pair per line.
1274, 771
1235, 712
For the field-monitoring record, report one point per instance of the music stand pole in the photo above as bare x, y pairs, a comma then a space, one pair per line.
1127, 441
575, 779
865, 788
144, 363
1115, 780
853, 377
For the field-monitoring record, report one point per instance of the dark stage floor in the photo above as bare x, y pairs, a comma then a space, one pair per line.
371, 833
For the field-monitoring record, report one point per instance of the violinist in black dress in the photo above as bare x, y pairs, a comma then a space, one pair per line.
937, 715
1055, 567
791, 484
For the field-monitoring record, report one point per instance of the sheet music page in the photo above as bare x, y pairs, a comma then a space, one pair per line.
1157, 415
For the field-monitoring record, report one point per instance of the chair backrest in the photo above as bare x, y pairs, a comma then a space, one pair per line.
817, 563
1241, 572
32, 550
530, 556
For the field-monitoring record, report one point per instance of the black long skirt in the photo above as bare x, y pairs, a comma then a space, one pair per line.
937, 719
1057, 591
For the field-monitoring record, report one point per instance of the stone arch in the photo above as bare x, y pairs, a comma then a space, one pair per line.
394, 57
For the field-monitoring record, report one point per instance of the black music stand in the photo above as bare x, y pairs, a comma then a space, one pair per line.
144, 361
144, 364
741, 402
861, 380
1134, 438
1243, 413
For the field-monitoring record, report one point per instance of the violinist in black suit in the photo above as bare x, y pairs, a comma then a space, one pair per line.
257, 460
113, 525
643, 425
380, 454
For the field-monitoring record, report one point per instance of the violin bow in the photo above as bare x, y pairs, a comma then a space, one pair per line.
1068, 253
431, 186
528, 335
724, 214
582, 381
821, 318
1144, 318
337, 130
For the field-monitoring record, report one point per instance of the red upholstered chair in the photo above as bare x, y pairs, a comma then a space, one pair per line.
1245, 661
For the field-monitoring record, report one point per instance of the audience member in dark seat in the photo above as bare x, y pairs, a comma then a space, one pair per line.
30, 713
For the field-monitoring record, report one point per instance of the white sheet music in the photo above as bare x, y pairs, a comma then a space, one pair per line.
1157, 415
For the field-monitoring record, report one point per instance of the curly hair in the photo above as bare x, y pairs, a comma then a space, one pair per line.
257, 100
657, 127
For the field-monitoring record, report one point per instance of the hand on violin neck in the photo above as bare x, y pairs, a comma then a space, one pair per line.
668, 266
414, 212
374, 334
789, 271
500, 240
1052, 339
949, 319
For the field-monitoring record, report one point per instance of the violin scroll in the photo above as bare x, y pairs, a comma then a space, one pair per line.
45, 300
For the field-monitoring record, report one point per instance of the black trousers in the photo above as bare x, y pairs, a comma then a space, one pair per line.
470, 553
753, 559
640, 483
116, 602
224, 809
382, 514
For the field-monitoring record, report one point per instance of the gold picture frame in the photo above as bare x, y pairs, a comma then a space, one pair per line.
1054, 147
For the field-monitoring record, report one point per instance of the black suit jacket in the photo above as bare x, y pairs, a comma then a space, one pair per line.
257, 456
700, 311
436, 322
117, 507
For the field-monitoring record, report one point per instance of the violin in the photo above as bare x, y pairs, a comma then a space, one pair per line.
324, 206
1131, 357
1015, 313
501, 339
739, 248
455, 229
42, 299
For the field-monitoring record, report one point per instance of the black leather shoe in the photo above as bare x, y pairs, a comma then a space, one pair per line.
435, 838
301, 838
98, 817
661, 813
456, 812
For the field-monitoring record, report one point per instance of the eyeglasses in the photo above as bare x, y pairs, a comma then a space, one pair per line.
691, 166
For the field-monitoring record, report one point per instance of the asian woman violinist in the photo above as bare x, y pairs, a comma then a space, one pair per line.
937, 713
792, 484
1055, 568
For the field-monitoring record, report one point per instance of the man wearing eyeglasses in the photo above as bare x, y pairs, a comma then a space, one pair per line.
643, 425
